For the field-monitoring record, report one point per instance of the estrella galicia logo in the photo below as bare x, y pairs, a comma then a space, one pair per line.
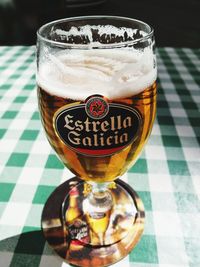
97, 127
96, 107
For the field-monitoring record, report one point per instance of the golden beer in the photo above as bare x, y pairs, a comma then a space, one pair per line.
105, 168
108, 165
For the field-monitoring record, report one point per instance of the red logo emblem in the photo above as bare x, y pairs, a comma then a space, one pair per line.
96, 107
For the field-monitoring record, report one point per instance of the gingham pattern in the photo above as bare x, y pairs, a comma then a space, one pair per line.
166, 176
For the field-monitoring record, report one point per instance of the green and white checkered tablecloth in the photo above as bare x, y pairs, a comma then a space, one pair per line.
166, 176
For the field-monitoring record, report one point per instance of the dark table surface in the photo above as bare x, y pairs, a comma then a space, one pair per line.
176, 22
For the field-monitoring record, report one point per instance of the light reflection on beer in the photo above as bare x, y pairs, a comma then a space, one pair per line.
140, 97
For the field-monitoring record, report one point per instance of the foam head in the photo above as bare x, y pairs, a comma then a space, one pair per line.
114, 73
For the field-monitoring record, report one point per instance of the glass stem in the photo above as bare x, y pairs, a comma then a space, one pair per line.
97, 206
100, 197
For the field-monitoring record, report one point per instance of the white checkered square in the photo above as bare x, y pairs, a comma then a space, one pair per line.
52, 261
160, 182
192, 153
167, 224
171, 250
5, 258
178, 112
41, 146
30, 176
23, 193
155, 152
15, 214
186, 131
191, 224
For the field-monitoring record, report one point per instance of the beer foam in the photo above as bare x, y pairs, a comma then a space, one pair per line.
113, 73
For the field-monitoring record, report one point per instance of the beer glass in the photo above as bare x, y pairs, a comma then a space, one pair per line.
96, 80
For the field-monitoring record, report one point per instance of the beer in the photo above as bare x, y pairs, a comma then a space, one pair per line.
106, 100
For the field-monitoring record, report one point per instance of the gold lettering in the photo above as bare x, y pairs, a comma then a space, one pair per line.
95, 140
68, 121
119, 124
87, 141
95, 123
112, 123
74, 140
123, 138
97, 133
87, 125
109, 140
127, 122
105, 126
116, 138
102, 139
79, 126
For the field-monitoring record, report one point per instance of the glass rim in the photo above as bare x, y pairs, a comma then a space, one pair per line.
68, 45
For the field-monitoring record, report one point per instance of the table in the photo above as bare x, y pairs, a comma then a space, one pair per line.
166, 176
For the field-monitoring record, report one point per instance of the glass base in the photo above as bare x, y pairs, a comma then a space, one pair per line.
86, 237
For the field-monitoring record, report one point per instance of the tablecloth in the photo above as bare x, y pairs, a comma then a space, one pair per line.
166, 176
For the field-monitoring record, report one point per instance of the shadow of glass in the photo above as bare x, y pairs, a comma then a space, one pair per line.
28, 250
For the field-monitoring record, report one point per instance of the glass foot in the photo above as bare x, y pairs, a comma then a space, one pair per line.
86, 237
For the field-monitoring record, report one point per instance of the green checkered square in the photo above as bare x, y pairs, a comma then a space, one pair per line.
24, 259
172, 141
2, 132
195, 122
29, 135
139, 167
165, 120
178, 167
15, 76
6, 191
29, 87
145, 251
146, 198
6, 86
42, 193
53, 163
28, 229
9, 115
10, 245
168, 130
162, 104
20, 99
17, 159
35, 116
